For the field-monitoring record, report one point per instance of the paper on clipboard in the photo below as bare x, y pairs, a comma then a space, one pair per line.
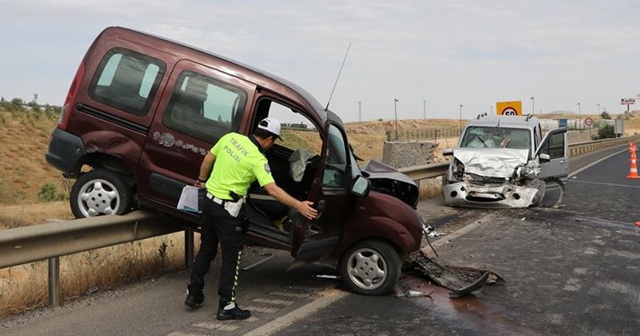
190, 199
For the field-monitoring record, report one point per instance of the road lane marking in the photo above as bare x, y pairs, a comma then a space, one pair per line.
329, 297
595, 163
292, 295
274, 301
265, 310
222, 326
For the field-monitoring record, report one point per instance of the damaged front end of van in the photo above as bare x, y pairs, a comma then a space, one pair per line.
493, 178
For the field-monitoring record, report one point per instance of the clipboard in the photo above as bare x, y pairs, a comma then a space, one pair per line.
191, 199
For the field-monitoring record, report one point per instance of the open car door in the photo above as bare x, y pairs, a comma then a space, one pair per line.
554, 144
330, 193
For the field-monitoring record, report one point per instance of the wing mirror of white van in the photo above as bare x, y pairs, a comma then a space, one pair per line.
447, 151
361, 186
545, 157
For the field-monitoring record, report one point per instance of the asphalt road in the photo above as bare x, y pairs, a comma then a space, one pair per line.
569, 271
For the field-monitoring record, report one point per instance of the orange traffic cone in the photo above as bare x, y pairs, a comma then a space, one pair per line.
633, 172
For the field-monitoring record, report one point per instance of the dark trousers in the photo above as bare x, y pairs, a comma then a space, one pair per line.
218, 227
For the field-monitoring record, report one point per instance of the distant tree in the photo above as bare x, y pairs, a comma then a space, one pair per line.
34, 107
605, 115
17, 102
605, 132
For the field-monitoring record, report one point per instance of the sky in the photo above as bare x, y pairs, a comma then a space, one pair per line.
446, 59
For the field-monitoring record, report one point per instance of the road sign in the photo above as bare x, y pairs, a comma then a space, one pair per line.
627, 101
509, 108
588, 122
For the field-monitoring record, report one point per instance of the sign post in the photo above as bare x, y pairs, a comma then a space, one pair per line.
627, 101
588, 122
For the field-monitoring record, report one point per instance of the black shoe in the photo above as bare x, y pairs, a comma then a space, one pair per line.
234, 313
194, 299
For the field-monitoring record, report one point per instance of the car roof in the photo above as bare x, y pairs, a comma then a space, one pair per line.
505, 121
232, 67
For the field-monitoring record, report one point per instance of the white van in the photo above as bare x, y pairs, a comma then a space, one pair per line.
503, 162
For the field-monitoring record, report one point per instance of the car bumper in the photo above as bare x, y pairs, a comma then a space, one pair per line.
65, 150
502, 196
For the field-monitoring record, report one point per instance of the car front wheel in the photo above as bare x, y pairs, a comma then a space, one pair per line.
100, 192
371, 267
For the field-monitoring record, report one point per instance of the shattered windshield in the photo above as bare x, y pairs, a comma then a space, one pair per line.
496, 137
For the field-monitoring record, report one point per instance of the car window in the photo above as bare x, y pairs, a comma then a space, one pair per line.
294, 159
554, 146
127, 81
204, 107
298, 132
496, 137
335, 172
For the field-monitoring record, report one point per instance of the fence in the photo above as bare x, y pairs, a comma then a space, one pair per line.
424, 134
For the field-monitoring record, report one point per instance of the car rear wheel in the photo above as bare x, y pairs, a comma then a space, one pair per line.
100, 192
371, 267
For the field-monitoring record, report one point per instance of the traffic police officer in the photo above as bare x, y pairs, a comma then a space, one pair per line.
228, 170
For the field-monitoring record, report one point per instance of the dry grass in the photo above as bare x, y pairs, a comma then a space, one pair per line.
24, 287
33, 213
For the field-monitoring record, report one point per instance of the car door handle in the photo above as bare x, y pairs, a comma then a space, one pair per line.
312, 230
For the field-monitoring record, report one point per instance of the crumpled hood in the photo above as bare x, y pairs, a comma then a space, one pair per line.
390, 181
491, 162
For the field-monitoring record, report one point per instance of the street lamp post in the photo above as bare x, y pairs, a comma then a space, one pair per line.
598, 109
360, 111
395, 109
424, 109
533, 106
460, 118
579, 118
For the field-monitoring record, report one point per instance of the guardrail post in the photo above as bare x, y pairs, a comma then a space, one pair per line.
188, 249
54, 281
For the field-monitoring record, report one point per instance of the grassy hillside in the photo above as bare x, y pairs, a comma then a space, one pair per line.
23, 169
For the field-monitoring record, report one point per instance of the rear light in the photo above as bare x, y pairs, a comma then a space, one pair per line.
71, 97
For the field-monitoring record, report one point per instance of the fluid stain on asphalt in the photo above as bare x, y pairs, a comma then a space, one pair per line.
468, 315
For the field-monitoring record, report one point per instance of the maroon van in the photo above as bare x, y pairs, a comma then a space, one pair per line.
142, 111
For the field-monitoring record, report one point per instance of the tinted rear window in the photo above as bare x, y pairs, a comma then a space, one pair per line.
127, 81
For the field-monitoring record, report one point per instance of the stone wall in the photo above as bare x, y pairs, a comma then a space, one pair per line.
400, 154
581, 135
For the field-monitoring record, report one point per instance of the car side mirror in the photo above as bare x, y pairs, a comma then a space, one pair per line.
447, 151
545, 157
361, 186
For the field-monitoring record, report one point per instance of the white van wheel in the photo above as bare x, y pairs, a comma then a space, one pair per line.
371, 267
100, 192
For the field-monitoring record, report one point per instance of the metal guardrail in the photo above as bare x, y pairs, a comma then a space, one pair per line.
52, 240
418, 173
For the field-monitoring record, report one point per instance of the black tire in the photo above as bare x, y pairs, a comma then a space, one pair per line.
371, 267
101, 192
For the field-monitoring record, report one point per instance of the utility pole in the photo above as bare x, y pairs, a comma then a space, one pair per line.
424, 109
460, 118
533, 106
579, 118
395, 109
360, 111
